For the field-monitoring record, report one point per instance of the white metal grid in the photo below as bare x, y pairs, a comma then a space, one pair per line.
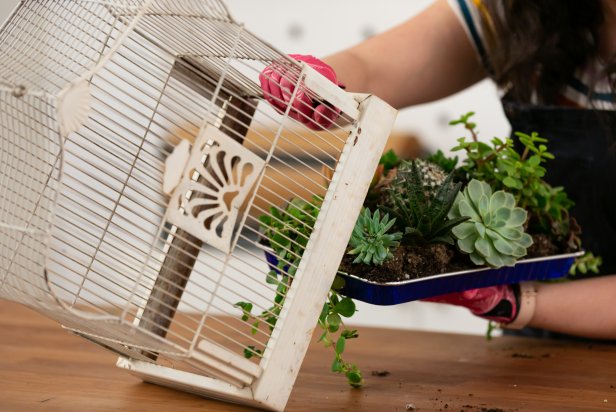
183, 66
96, 97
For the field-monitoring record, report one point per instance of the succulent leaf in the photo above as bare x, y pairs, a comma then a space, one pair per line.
370, 239
494, 233
463, 230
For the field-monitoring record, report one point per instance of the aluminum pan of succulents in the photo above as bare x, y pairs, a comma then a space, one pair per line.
393, 293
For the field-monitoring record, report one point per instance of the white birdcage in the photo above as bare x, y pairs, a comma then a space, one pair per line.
136, 157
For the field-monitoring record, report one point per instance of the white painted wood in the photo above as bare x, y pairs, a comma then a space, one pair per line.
189, 382
334, 95
289, 342
223, 369
230, 358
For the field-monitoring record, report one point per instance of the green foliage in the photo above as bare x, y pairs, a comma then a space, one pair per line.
335, 334
287, 232
423, 215
250, 351
389, 160
370, 240
585, 264
494, 233
448, 164
503, 168
492, 326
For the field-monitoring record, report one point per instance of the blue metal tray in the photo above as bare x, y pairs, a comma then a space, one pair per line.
393, 293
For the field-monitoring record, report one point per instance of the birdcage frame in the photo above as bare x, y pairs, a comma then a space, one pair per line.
86, 232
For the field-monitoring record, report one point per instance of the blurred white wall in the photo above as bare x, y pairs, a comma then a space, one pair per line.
321, 27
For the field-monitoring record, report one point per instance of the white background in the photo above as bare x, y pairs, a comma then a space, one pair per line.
321, 27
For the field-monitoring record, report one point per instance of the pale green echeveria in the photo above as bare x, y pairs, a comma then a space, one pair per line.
494, 233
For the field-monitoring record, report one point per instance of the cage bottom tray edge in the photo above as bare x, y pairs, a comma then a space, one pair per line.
393, 293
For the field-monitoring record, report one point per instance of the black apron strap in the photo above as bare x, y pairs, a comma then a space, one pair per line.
583, 142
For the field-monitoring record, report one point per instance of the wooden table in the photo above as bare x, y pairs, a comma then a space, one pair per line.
44, 368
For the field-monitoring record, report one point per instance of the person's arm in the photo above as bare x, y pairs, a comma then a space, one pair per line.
583, 307
424, 59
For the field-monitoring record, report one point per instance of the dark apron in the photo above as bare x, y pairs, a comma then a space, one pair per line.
583, 142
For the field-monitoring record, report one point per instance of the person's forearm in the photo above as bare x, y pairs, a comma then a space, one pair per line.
582, 308
426, 58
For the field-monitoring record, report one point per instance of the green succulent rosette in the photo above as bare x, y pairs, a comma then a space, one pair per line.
494, 233
371, 241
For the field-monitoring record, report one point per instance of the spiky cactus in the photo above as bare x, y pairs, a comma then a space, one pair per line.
370, 240
494, 233
432, 176
421, 211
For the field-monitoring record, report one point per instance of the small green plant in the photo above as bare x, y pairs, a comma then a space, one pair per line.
494, 233
520, 174
422, 214
287, 232
585, 264
448, 164
335, 334
389, 160
370, 240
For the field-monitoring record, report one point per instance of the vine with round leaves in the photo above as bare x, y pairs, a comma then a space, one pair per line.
287, 232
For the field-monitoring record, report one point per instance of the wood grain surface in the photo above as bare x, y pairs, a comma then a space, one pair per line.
42, 368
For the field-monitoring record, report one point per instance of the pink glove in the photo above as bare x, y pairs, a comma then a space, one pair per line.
496, 303
278, 84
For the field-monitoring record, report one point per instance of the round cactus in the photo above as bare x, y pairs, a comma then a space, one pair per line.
494, 233
432, 175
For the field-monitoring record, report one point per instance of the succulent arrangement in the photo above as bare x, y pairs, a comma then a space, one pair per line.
491, 209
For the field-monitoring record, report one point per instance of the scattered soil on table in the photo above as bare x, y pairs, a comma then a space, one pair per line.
529, 356
482, 409
522, 355
380, 373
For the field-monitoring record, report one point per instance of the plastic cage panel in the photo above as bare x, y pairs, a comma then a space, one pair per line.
137, 157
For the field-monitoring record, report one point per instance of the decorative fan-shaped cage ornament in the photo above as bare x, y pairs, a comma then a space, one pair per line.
218, 179
137, 158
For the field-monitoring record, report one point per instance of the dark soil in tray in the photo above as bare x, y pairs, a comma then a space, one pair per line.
427, 260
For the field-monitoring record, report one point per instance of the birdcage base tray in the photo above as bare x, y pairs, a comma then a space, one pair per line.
393, 293
192, 383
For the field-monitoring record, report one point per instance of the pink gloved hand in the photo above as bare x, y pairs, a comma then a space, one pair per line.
496, 303
278, 84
